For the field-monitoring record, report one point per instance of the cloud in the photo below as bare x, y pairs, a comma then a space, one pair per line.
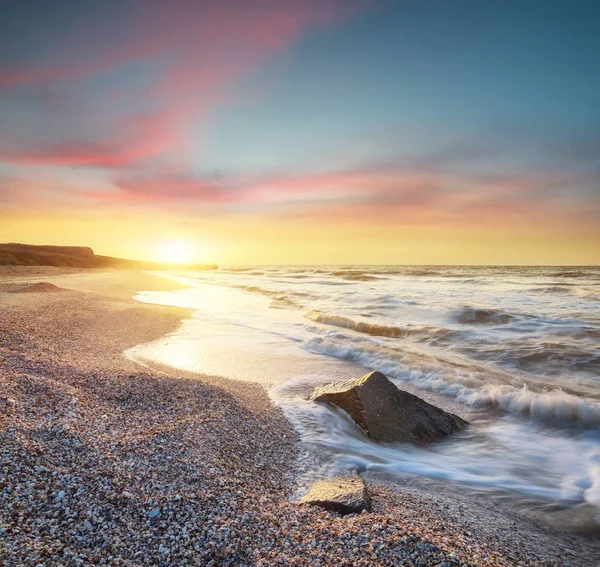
168, 186
138, 138
375, 192
168, 64
371, 195
174, 185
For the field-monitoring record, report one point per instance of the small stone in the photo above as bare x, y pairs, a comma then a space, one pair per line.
154, 513
61, 495
343, 494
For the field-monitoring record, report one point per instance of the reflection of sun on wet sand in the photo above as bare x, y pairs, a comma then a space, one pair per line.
102, 458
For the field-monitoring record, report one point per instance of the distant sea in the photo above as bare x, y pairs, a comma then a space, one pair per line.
515, 350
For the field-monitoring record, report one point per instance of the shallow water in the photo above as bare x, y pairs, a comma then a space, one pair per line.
513, 350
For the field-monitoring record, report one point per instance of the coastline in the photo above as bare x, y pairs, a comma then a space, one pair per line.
104, 459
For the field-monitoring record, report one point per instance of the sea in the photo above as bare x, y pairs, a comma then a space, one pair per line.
514, 350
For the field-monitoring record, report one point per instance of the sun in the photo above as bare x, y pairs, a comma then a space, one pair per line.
176, 252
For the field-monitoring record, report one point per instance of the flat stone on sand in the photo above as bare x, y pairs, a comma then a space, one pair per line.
343, 494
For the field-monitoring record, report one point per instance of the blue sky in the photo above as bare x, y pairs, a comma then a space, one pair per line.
212, 108
419, 76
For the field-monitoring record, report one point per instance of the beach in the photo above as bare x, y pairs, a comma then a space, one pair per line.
106, 460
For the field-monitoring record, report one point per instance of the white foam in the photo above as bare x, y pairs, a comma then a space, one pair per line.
553, 405
545, 441
511, 454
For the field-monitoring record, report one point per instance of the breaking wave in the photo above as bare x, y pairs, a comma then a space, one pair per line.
375, 329
553, 405
425, 273
551, 289
568, 289
362, 278
290, 299
514, 350
353, 275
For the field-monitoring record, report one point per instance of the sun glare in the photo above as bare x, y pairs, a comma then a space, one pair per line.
176, 252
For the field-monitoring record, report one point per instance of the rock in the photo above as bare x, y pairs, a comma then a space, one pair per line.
483, 317
61, 495
344, 494
386, 413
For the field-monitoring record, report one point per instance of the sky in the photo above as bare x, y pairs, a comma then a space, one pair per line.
303, 131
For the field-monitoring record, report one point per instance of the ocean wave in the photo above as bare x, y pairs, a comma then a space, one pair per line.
587, 334
360, 326
472, 316
567, 289
406, 271
275, 295
547, 357
569, 274
565, 352
384, 300
354, 275
331, 282
375, 329
425, 273
554, 406
551, 289
548, 354
347, 272
362, 278
585, 293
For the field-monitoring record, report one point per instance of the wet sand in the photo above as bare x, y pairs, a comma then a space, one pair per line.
106, 462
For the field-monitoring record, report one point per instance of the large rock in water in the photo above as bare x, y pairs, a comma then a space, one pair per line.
344, 494
386, 413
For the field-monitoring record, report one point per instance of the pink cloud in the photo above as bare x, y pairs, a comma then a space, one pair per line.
390, 195
173, 185
196, 51
168, 186
137, 139
380, 195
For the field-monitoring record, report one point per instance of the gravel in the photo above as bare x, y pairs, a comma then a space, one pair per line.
105, 463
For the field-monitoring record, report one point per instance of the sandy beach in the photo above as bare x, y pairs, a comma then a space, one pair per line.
106, 462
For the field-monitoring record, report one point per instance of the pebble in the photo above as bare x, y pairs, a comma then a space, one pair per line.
218, 481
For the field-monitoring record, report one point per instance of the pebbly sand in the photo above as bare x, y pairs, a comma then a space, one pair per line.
104, 462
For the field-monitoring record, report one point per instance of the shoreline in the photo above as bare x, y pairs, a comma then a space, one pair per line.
103, 459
